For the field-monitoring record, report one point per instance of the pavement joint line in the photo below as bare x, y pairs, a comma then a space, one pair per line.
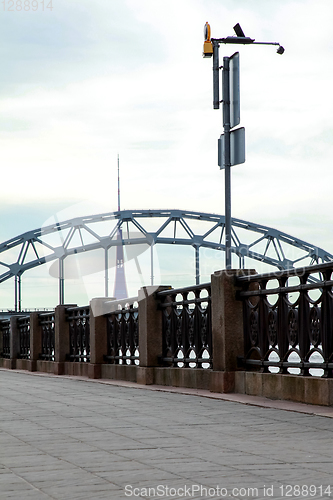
33, 487
277, 404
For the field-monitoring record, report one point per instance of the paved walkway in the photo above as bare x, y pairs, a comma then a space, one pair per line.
66, 438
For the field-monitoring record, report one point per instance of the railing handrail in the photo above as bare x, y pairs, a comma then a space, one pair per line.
164, 293
286, 289
74, 309
25, 310
299, 271
122, 311
45, 313
104, 307
123, 303
20, 319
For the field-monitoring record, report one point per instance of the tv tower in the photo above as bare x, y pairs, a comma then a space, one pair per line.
120, 288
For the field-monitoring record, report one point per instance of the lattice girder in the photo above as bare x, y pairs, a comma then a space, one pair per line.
35, 248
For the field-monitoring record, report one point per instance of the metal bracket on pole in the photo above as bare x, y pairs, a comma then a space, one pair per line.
197, 264
216, 76
106, 270
226, 129
231, 145
61, 281
18, 292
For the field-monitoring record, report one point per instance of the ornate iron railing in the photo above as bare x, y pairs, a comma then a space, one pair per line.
47, 322
123, 335
79, 333
186, 327
23, 325
5, 332
288, 321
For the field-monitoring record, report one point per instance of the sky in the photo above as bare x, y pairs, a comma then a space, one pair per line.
83, 81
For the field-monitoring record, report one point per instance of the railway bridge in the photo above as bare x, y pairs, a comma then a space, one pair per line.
140, 231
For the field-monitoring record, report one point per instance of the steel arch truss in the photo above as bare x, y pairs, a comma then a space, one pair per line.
200, 230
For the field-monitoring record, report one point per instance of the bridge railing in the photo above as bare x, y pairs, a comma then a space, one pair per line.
79, 333
267, 335
123, 334
47, 323
5, 338
187, 327
163, 336
288, 321
23, 325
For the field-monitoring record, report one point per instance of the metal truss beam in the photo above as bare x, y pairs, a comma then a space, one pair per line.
180, 227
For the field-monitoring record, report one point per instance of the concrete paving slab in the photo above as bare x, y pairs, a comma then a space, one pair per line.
74, 438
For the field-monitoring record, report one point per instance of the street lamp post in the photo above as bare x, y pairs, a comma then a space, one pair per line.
231, 145
227, 160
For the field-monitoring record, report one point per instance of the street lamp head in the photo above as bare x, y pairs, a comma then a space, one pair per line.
240, 38
208, 46
238, 30
207, 32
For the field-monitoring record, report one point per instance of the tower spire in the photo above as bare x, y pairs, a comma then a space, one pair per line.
118, 186
120, 288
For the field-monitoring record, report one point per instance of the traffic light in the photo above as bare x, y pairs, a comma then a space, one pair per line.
208, 46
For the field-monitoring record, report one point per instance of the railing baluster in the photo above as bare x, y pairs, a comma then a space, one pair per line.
123, 336
282, 323
263, 322
79, 333
47, 321
188, 331
303, 315
327, 324
24, 334
304, 327
5, 331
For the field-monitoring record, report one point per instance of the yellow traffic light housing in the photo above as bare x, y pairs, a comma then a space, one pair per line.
208, 46
207, 49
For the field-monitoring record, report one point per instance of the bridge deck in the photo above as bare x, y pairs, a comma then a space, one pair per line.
66, 438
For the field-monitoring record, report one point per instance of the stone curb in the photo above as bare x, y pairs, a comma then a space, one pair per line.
322, 411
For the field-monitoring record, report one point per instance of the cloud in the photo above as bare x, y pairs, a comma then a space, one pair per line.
87, 81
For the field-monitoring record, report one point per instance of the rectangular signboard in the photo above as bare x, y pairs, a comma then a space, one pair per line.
220, 152
237, 148
234, 90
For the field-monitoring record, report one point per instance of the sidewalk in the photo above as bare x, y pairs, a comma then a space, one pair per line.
70, 438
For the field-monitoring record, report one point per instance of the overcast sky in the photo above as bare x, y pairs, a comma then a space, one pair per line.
90, 79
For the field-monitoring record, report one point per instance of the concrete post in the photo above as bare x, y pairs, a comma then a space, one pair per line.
14, 342
61, 341
35, 340
227, 328
98, 334
150, 333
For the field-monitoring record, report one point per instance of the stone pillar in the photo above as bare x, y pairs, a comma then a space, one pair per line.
150, 333
14, 342
227, 328
98, 334
61, 341
35, 340
1, 341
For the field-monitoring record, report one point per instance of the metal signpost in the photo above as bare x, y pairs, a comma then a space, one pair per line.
231, 145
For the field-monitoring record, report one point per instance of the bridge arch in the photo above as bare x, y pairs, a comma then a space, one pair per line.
55, 242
